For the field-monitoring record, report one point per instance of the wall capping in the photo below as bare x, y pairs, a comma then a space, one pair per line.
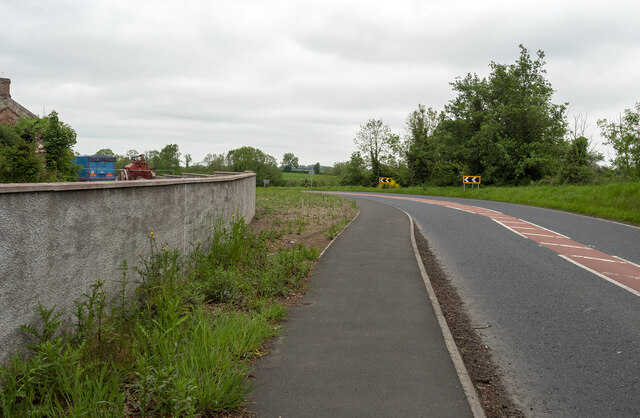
71, 186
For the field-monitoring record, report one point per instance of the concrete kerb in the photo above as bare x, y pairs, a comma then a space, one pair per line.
463, 375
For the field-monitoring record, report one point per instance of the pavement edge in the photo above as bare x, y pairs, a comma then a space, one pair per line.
339, 233
458, 363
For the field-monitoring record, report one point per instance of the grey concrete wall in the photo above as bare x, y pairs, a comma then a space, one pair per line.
56, 239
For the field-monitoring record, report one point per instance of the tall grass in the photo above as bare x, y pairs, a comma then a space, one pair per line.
616, 201
181, 345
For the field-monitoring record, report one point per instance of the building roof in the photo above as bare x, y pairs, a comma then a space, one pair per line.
10, 106
17, 108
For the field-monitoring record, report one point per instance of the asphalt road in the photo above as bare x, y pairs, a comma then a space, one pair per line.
566, 340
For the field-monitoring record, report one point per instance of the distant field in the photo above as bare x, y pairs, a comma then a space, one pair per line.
616, 201
305, 179
297, 176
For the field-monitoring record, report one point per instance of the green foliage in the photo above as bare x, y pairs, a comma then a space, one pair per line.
506, 128
58, 139
105, 151
289, 161
253, 159
316, 168
624, 136
422, 145
19, 161
376, 142
214, 162
355, 171
168, 158
579, 164
446, 173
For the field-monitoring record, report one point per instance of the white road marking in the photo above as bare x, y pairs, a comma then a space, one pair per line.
566, 245
540, 235
635, 292
512, 230
542, 227
626, 261
598, 259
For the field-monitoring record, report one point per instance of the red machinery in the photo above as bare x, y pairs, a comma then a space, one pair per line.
136, 169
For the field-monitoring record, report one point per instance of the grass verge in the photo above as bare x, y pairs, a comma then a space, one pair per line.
182, 343
615, 201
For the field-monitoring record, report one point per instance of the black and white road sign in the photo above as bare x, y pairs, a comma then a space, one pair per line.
383, 180
471, 179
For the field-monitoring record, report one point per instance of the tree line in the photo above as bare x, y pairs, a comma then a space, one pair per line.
504, 128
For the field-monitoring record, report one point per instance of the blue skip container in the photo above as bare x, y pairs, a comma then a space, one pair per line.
96, 167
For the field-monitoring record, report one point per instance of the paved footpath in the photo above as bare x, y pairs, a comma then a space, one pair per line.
364, 341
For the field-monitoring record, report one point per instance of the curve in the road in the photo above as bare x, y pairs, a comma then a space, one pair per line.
616, 270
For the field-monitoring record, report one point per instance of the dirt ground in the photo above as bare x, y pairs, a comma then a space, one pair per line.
313, 234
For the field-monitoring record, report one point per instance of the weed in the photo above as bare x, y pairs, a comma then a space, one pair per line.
50, 323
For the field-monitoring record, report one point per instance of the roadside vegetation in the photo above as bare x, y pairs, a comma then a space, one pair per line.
615, 201
182, 343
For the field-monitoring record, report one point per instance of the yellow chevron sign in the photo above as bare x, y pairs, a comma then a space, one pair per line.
471, 179
384, 180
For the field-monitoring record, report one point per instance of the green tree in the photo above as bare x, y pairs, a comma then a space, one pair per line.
153, 158
168, 158
376, 143
579, 164
624, 136
421, 143
105, 151
187, 160
316, 168
58, 140
214, 162
355, 171
289, 161
253, 159
19, 162
506, 127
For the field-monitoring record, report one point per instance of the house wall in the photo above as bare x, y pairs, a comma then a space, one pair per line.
8, 116
56, 239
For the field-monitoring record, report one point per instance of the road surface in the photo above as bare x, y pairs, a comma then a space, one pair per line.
559, 291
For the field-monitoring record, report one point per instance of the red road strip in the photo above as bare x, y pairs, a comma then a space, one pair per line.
614, 269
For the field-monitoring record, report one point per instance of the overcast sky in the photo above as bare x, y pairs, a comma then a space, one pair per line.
296, 76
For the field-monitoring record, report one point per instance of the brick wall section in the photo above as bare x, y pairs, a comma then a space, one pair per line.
8, 116
5, 87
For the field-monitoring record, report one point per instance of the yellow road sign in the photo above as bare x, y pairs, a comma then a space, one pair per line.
471, 179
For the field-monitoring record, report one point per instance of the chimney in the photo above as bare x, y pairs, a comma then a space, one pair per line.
5, 84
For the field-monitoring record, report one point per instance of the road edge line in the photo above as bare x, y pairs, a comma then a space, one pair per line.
458, 363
